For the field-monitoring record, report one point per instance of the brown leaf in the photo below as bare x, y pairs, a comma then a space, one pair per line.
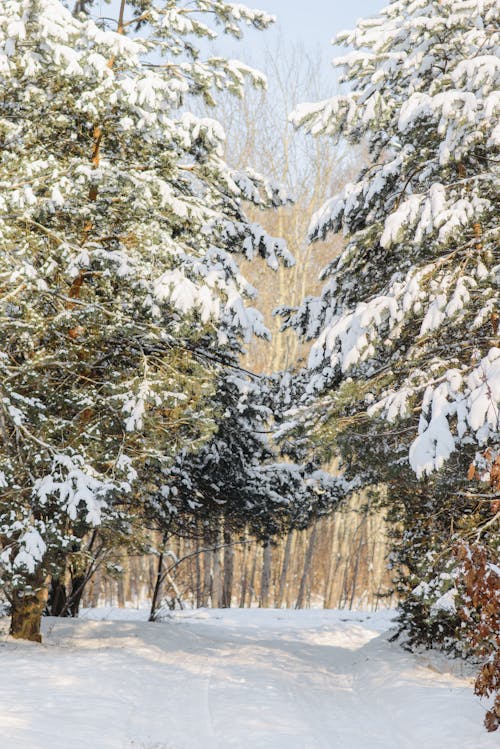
77, 332
495, 317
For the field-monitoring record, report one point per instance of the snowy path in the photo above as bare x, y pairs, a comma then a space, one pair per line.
234, 679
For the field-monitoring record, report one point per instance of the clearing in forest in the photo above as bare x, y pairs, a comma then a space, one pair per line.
259, 679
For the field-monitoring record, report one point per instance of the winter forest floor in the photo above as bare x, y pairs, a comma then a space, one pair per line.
248, 679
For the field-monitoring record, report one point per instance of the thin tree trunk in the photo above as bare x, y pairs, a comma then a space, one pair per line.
284, 570
357, 560
96, 588
265, 584
290, 589
333, 563
120, 593
177, 593
244, 577
217, 577
227, 587
157, 588
344, 536
299, 604
207, 568
126, 577
198, 592
251, 583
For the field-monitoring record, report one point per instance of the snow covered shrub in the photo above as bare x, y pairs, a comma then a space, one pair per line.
404, 370
428, 612
121, 296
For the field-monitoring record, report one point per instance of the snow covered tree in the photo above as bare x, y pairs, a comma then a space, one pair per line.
237, 485
238, 475
404, 371
121, 296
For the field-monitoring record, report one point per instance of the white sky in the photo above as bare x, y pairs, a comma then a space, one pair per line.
312, 24
316, 21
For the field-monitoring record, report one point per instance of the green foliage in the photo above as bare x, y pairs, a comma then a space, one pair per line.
121, 298
403, 379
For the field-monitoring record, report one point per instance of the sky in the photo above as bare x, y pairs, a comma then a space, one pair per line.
316, 21
312, 24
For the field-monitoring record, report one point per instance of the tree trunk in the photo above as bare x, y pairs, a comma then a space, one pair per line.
157, 588
357, 560
78, 584
198, 591
244, 576
333, 563
290, 589
307, 568
96, 588
284, 571
56, 603
207, 569
251, 583
265, 583
27, 609
227, 587
217, 575
120, 585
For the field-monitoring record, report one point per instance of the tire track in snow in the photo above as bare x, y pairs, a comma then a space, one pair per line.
266, 683
249, 682
167, 715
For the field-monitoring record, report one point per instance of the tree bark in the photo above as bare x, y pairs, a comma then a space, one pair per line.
217, 575
57, 598
284, 571
198, 592
207, 569
290, 589
120, 584
265, 584
78, 584
251, 583
227, 587
299, 604
244, 576
27, 609
157, 588
357, 561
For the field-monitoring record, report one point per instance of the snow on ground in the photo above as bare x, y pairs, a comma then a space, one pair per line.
232, 679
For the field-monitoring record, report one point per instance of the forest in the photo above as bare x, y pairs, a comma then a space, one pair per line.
249, 352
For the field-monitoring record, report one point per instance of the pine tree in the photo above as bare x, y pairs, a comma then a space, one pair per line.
121, 296
238, 478
404, 371
237, 481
